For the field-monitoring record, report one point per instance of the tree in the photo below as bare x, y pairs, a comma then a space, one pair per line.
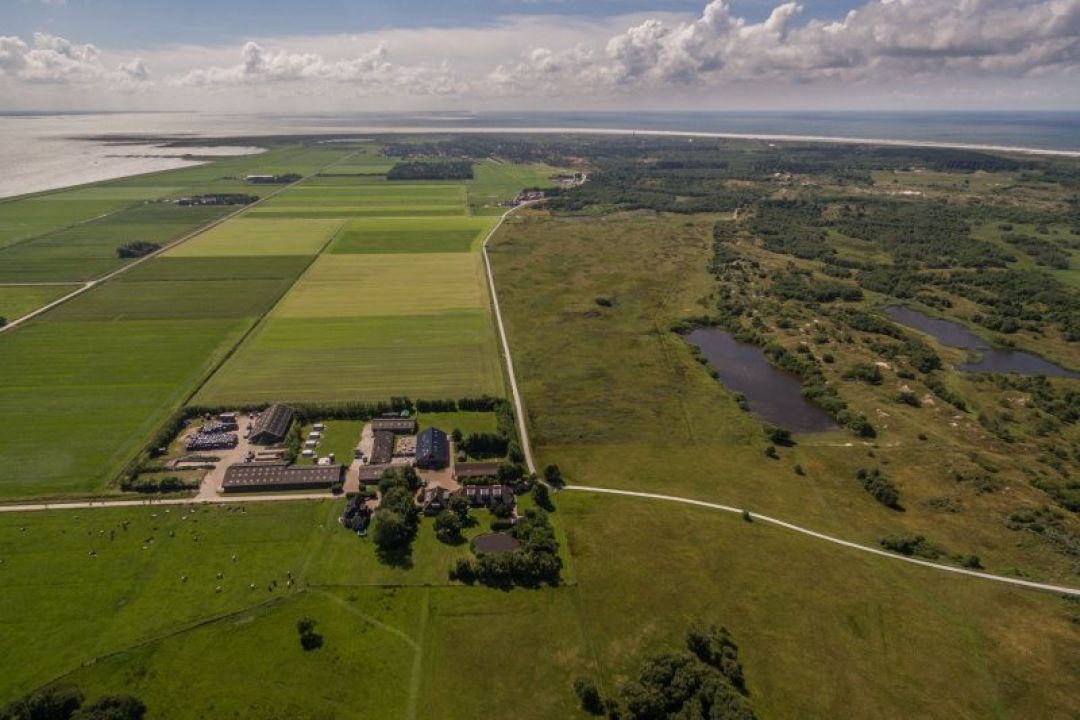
448, 526
112, 707
542, 497
52, 702
553, 475
309, 639
459, 505
456, 436
589, 696
390, 530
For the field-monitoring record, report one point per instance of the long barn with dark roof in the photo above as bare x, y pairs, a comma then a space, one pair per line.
262, 477
271, 425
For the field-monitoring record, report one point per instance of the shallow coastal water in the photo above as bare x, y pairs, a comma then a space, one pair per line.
771, 394
38, 150
991, 359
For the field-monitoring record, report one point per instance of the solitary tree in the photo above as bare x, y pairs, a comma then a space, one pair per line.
448, 526
553, 476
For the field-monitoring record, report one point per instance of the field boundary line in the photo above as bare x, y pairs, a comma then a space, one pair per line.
191, 626
1062, 589
519, 411
90, 284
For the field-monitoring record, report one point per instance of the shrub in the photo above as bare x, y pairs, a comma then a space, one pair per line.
779, 436
136, 249
864, 372
309, 639
880, 487
112, 707
57, 701
588, 696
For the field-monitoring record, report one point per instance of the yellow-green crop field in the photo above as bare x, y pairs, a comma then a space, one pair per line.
248, 237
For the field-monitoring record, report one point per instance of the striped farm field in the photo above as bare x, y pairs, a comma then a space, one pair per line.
357, 358
252, 237
403, 284
365, 200
411, 235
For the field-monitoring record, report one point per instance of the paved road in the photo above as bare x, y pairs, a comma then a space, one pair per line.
1075, 592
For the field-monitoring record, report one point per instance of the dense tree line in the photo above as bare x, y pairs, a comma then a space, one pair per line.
64, 701
431, 170
136, 249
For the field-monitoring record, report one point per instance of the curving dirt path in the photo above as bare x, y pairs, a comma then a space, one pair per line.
1075, 592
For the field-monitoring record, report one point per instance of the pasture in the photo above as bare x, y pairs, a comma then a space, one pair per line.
18, 301
375, 285
149, 608
496, 182
360, 358
411, 235
250, 237
85, 396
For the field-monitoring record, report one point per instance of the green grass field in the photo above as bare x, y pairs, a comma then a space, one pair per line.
402, 630
616, 399
249, 238
411, 235
180, 299
372, 358
18, 301
495, 182
88, 250
381, 285
466, 422
87, 395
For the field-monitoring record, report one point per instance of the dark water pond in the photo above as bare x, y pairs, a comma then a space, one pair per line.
495, 543
991, 359
771, 394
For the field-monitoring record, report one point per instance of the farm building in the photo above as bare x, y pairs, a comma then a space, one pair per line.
271, 425
370, 474
432, 449
250, 477
406, 425
469, 470
382, 450
486, 495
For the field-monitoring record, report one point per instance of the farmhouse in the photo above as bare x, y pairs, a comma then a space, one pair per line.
271, 425
467, 470
250, 477
487, 495
434, 500
432, 449
394, 424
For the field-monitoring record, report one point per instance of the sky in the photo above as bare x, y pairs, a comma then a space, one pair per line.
393, 55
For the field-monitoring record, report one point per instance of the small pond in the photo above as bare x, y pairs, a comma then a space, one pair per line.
991, 359
772, 394
494, 543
